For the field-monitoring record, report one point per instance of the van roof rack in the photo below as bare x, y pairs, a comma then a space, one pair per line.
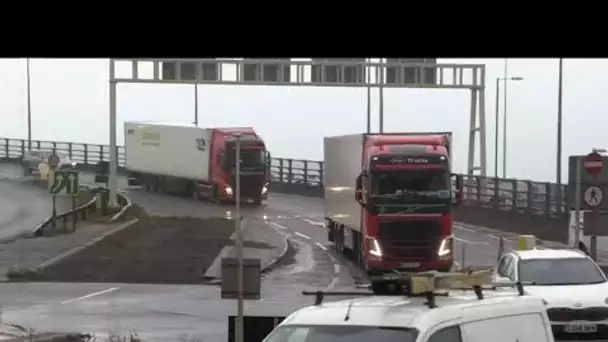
425, 284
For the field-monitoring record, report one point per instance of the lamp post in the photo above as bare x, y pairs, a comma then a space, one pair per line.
504, 129
29, 104
239, 243
558, 166
196, 104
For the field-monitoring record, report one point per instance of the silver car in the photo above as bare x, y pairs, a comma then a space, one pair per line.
32, 160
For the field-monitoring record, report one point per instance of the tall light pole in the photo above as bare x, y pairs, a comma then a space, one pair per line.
558, 166
239, 243
504, 118
29, 104
196, 104
368, 78
381, 97
504, 129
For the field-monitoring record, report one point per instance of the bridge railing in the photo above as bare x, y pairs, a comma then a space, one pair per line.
306, 177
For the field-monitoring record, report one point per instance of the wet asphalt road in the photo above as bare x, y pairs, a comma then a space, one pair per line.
167, 311
22, 206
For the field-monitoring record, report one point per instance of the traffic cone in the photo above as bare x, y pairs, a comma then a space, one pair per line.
501, 248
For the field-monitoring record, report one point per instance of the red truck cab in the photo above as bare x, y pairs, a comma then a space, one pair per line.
254, 168
405, 189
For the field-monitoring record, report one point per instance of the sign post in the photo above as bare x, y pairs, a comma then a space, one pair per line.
64, 182
53, 161
587, 185
594, 164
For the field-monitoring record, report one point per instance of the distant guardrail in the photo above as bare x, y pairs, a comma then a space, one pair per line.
62, 221
305, 177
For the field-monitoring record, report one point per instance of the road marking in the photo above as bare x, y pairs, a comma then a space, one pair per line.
302, 235
336, 268
494, 236
466, 229
314, 223
94, 294
278, 225
333, 283
321, 246
471, 242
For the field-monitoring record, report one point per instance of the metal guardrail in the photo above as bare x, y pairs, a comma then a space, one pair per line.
305, 177
62, 220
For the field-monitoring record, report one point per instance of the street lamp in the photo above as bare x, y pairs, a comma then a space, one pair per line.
504, 128
239, 243
29, 104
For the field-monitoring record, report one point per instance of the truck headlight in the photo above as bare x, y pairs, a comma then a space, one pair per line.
374, 247
445, 247
265, 189
228, 190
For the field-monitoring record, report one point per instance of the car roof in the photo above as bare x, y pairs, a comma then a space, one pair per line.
397, 311
549, 254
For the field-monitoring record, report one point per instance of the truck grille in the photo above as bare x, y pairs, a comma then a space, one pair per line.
410, 240
251, 185
569, 314
559, 334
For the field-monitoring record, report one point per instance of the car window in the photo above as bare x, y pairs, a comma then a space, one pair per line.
448, 334
563, 271
503, 265
511, 269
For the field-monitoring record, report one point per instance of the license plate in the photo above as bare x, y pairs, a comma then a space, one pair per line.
410, 265
580, 328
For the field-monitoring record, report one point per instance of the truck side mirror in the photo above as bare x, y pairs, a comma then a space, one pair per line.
359, 189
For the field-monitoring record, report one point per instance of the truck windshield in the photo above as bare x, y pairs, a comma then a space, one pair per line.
566, 271
249, 158
341, 333
417, 183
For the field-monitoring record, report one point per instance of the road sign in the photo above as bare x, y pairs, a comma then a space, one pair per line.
53, 160
593, 163
64, 182
593, 196
595, 223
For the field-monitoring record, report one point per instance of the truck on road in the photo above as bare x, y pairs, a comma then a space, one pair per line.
197, 162
389, 200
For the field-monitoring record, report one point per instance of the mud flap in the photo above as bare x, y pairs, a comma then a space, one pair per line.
256, 328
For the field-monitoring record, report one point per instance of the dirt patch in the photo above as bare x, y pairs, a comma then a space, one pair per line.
155, 250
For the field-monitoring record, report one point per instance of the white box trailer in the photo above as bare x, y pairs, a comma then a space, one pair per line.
166, 149
342, 162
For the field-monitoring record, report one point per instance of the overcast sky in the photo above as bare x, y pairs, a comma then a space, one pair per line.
70, 103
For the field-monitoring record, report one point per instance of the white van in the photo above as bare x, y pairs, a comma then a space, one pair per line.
461, 316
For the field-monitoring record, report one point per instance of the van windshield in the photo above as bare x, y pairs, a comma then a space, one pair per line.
564, 271
340, 333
